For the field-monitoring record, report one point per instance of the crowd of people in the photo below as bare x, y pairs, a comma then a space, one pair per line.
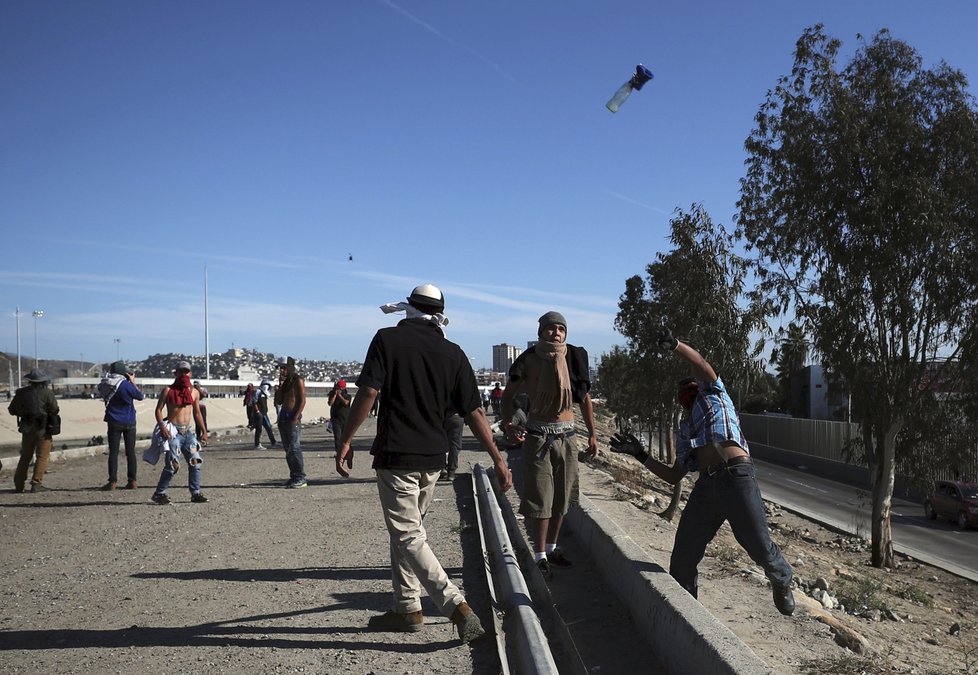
427, 392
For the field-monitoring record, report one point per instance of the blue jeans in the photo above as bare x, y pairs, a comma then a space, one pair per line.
293, 451
185, 443
731, 495
122, 432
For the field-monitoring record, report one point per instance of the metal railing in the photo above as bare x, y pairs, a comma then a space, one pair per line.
521, 626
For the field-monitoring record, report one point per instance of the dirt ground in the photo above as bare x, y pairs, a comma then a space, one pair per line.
931, 626
267, 580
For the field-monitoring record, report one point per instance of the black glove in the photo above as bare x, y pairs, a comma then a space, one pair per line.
666, 342
627, 444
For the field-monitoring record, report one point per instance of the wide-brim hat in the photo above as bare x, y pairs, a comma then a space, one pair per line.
37, 376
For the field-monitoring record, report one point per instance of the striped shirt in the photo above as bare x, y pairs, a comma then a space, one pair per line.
713, 419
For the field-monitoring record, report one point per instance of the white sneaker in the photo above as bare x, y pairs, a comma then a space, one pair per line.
259, 447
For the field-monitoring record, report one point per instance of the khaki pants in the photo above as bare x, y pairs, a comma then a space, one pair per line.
32, 442
404, 498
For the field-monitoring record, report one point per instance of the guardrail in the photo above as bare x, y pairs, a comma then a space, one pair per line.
521, 626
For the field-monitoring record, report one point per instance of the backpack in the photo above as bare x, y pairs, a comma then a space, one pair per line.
106, 388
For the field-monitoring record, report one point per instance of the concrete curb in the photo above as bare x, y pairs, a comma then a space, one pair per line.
685, 636
10, 462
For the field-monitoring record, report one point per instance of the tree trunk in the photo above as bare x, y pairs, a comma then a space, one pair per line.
882, 476
677, 489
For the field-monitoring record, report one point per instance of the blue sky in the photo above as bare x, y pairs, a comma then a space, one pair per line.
458, 143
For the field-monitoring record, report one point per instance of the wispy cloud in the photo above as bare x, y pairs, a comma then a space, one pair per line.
235, 262
434, 31
625, 198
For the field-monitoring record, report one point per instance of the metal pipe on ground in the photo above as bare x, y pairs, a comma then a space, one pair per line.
524, 636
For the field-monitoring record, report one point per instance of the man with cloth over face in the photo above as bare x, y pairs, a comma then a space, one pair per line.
554, 375
711, 442
421, 378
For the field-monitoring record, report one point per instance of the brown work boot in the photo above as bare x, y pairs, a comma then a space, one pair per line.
395, 622
467, 623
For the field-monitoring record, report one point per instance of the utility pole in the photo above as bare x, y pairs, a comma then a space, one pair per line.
19, 376
207, 348
38, 313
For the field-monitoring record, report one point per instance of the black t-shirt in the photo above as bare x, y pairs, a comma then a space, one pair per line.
422, 378
339, 411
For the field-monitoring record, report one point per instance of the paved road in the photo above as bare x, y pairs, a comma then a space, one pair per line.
846, 508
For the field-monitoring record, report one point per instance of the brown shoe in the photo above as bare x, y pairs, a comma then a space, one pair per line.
131, 485
394, 622
467, 623
109, 487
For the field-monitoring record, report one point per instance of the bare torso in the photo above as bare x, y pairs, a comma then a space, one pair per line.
180, 414
528, 383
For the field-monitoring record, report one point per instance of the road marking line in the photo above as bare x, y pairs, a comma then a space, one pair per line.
806, 485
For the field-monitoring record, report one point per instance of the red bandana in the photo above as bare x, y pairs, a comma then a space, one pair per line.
181, 391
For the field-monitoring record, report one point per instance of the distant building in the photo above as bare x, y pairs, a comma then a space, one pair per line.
530, 343
813, 398
503, 356
245, 373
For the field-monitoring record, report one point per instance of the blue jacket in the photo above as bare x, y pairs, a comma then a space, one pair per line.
120, 409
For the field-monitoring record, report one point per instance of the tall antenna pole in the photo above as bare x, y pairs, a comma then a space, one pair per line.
207, 348
19, 376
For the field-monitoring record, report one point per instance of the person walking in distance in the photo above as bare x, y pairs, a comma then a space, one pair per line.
36, 410
181, 403
711, 442
119, 391
259, 405
421, 377
339, 409
554, 375
291, 396
454, 426
249, 396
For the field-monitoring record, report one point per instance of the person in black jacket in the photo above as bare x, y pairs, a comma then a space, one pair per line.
420, 377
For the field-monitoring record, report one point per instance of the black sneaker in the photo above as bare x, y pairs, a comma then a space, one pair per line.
545, 569
784, 599
160, 498
558, 559
198, 498
297, 484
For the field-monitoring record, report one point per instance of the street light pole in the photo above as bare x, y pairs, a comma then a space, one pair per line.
37, 313
17, 314
118, 357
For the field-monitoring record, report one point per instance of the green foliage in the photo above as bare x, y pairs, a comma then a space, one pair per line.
860, 203
843, 664
861, 592
693, 290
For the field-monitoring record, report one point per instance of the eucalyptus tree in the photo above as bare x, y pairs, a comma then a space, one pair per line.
696, 289
860, 203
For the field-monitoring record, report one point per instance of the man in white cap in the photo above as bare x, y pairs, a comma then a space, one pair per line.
35, 407
554, 375
421, 378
